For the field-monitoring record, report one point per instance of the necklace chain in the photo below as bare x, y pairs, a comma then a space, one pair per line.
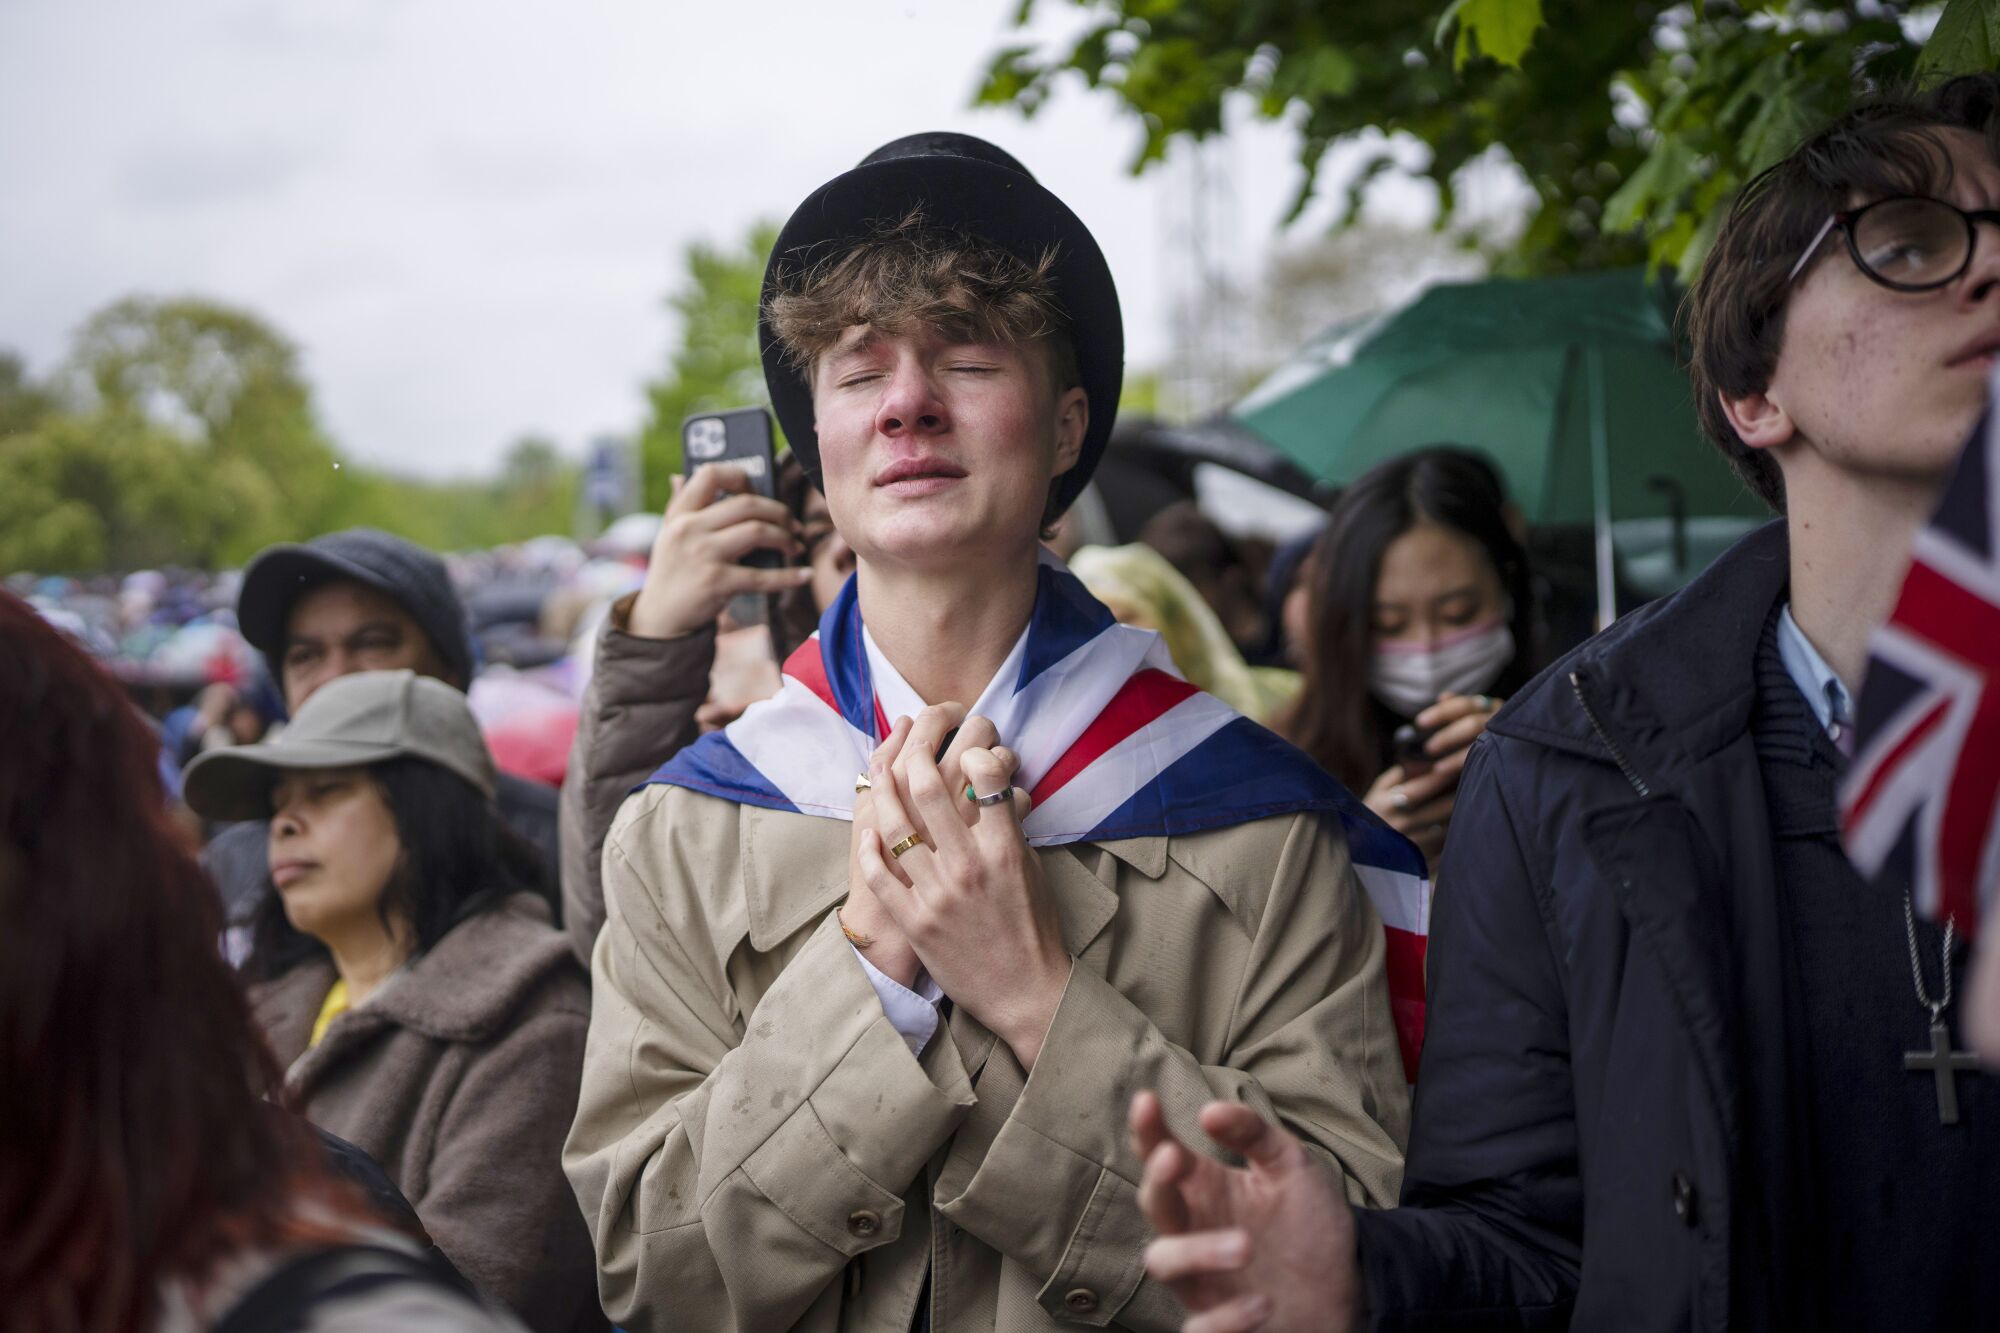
1938, 1006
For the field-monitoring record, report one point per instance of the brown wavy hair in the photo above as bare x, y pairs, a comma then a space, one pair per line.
1734, 313
910, 275
136, 1147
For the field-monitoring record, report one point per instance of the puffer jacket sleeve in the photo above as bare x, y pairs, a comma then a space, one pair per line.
732, 1163
638, 712
1490, 1229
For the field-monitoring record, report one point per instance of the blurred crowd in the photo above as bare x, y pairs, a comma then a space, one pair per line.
1246, 616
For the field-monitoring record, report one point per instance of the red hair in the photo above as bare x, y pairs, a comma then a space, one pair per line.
136, 1147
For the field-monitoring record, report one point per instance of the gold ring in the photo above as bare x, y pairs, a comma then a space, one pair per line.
861, 784
896, 852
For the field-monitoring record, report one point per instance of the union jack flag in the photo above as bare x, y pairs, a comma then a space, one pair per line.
1922, 801
1113, 744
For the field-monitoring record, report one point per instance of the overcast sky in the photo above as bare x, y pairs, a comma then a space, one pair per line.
467, 212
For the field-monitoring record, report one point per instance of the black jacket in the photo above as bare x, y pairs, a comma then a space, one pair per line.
1606, 1026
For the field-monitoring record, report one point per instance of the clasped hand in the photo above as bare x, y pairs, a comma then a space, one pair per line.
966, 902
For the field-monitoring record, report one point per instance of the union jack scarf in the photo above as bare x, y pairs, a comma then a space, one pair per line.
1921, 803
1113, 744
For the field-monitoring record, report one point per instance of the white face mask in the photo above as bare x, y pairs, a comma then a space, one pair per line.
1410, 678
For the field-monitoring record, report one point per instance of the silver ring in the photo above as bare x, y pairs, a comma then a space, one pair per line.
1485, 702
1399, 798
1005, 793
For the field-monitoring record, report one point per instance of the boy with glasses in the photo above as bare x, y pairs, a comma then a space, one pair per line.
1679, 1070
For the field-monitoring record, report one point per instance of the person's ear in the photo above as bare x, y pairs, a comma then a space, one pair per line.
1758, 420
1072, 424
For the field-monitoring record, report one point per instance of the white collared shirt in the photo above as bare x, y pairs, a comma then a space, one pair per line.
1825, 693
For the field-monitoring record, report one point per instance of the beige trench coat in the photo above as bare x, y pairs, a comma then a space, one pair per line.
755, 1148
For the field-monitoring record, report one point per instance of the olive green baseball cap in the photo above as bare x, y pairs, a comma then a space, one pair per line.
348, 722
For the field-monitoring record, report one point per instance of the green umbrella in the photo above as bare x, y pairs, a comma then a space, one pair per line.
1571, 384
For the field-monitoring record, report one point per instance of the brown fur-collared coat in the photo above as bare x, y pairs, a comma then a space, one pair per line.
459, 1075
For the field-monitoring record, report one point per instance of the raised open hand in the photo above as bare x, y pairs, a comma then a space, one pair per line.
1268, 1245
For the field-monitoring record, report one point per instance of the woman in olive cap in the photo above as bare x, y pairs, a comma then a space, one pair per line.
406, 973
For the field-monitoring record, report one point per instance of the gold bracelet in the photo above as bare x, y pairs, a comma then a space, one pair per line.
858, 941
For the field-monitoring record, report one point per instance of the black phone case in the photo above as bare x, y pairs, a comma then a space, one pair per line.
741, 437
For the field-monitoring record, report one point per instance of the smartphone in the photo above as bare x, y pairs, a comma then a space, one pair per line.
742, 438
1407, 747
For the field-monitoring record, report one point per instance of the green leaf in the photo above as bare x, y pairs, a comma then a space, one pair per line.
1670, 168
1689, 260
1965, 41
1503, 29
1775, 130
1011, 75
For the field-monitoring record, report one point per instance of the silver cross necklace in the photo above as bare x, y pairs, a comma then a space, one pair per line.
1940, 1060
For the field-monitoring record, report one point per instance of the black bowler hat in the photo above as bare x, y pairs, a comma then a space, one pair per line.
968, 185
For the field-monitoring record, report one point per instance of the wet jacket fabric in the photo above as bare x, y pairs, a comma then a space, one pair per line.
1601, 1121
459, 1077
757, 1149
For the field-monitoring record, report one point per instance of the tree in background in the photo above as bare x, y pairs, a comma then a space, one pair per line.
1362, 270
206, 429
22, 401
1631, 119
183, 432
176, 431
716, 365
536, 489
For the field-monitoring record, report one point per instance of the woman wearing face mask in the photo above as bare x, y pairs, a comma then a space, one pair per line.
408, 978
1421, 618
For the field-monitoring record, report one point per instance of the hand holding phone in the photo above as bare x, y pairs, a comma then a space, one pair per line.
714, 519
1407, 748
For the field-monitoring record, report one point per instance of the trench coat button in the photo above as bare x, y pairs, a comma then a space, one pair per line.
1683, 1198
1081, 1300
864, 1222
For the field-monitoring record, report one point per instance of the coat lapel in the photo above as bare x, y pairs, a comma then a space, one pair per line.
459, 991
1085, 905
344, 1035
1084, 902
286, 1006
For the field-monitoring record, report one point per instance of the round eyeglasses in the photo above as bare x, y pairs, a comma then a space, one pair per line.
1907, 243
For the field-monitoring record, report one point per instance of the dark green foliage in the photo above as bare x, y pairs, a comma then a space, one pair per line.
1708, 94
